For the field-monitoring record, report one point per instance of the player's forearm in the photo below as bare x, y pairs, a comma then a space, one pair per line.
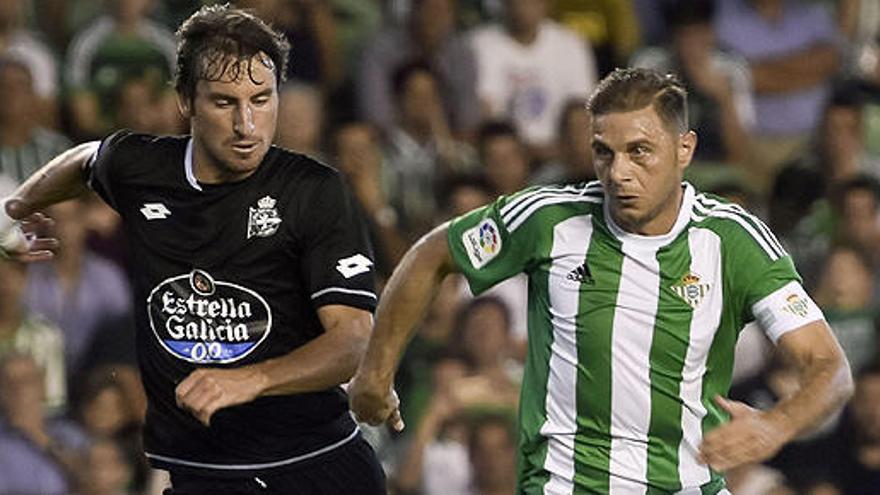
795, 72
59, 180
410, 289
327, 361
826, 385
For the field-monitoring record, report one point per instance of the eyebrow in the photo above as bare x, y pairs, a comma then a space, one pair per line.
216, 95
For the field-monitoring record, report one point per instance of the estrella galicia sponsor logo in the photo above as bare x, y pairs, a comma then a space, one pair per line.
202, 320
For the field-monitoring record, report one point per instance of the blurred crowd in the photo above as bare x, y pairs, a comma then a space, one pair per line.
432, 108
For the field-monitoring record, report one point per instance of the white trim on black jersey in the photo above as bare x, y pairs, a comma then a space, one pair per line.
250, 467
188, 166
344, 291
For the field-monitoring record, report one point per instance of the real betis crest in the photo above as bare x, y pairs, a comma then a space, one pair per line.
691, 290
263, 220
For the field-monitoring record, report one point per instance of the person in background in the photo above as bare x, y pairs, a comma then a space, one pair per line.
792, 48
720, 97
301, 108
22, 44
575, 161
38, 453
118, 45
25, 142
77, 290
428, 34
527, 68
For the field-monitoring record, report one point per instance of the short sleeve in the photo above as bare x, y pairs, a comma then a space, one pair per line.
757, 264
102, 167
337, 257
485, 249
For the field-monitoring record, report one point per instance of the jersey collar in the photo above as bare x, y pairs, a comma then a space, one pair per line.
655, 241
188, 166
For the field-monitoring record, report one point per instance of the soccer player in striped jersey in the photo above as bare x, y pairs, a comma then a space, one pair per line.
638, 288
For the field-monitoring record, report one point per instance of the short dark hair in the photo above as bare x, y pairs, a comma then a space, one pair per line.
628, 90
404, 72
217, 40
680, 13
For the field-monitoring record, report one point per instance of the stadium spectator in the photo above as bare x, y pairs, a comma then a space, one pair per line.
428, 34
859, 473
107, 470
301, 108
856, 203
845, 136
527, 68
574, 162
846, 295
720, 101
77, 290
435, 459
420, 150
504, 157
610, 27
38, 454
25, 45
792, 51
25, 143
23, 331
492, 445
116, 46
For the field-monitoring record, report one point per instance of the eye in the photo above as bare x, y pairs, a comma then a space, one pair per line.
222, 102
261, 100
640, 151
602, 153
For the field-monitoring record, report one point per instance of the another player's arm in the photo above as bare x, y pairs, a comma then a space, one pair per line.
325, 362
412, 286
825, 385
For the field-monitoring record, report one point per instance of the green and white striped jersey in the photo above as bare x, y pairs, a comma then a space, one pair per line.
630, 337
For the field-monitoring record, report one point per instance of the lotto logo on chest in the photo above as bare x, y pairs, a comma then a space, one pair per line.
201, 320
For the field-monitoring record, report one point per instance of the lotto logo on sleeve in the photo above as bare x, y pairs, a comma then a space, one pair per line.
482, 243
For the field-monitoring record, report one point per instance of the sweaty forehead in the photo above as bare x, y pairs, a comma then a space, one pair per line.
224, 67
623, 127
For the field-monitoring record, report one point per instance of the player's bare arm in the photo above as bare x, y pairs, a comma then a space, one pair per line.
826, 384
412, 286
22, 226
328, 360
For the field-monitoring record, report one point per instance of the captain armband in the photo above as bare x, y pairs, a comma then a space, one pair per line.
786, 309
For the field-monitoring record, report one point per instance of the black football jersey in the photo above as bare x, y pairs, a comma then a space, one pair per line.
227, 275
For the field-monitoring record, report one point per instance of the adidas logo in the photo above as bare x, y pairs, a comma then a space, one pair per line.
581, 274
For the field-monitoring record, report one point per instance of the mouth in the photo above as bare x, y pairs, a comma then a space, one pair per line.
245, 146
626, 198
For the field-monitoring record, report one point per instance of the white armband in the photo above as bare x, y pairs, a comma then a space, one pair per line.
786, 309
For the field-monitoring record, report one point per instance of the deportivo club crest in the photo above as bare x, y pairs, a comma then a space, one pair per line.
690, 290
263, 220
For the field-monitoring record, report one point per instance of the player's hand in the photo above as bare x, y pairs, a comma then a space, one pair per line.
207, 390
374, 404
28, 239
750, 436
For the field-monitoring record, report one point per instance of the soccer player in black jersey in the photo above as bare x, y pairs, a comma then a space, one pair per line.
254, 278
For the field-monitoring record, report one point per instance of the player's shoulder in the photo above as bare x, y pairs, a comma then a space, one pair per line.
739, 229
561, 200
301, 167
127, 140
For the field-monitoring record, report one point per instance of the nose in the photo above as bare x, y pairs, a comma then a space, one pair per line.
243, 123
619, 169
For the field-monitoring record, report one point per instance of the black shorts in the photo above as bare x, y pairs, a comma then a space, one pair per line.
350, 470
